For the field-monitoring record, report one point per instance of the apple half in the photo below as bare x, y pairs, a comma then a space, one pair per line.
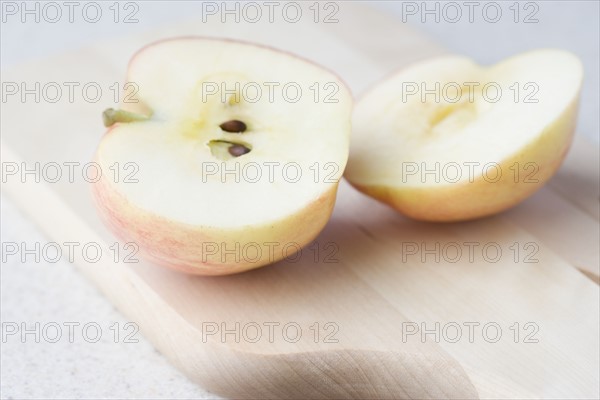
217, 174
448, 140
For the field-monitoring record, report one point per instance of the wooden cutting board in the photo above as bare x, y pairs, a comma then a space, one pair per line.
351, 327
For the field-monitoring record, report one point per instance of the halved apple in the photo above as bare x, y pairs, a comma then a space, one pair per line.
228, 179
448, 140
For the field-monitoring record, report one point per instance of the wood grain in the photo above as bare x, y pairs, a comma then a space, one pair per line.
375, 292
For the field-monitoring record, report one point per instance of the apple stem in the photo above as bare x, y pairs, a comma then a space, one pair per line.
111, 116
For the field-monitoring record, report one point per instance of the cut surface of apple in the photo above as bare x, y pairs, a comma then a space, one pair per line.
446, 139
228, 160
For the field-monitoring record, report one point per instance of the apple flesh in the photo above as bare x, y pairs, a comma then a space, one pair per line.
220, 183
449, 140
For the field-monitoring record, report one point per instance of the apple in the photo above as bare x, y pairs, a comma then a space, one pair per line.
447, 140
228, 154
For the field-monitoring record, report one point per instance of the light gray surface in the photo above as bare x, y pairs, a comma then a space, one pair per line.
45, 292
77, 368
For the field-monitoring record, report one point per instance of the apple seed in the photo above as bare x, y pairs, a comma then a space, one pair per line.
225, 150
233, 126
238, 150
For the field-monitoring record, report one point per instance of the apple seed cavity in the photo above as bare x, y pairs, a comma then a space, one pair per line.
233, 126
111, 116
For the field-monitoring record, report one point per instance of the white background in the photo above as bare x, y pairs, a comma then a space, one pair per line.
56, 292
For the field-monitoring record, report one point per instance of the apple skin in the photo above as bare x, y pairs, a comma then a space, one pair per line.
481, 198
180, 246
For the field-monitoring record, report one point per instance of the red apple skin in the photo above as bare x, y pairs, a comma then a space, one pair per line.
480, 198
180, 246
